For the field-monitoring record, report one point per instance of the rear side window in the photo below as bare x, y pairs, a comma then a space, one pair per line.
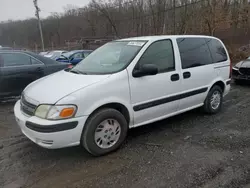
161, 54
194, 52
15, 59
35, 62
218, 52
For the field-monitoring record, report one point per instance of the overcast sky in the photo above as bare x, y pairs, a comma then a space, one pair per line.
22, 9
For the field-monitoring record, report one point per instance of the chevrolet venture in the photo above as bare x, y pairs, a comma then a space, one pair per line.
124, 84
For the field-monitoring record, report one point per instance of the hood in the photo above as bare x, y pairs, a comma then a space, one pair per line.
244, 64
52, 88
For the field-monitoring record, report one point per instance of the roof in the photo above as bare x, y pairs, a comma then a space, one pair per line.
81, 51
9, 51
161, 37
43, 59
58, 51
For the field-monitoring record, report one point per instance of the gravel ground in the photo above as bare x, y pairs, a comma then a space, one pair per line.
190, 150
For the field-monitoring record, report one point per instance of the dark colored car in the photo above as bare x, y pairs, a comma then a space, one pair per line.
20, 68
241, 71
74, 57
5, 48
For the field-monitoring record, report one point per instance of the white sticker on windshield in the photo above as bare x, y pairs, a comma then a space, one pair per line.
136, 43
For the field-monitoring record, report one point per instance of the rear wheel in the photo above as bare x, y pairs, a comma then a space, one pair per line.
213, 102
104, 132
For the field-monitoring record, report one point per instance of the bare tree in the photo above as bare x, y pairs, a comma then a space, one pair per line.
104, 9
125, 18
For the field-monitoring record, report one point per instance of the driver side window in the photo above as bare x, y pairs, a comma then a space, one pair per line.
161, 54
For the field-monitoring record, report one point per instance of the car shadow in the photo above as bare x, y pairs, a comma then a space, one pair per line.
242, 83
171, 124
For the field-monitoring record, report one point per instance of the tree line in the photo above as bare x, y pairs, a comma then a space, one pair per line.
228, 19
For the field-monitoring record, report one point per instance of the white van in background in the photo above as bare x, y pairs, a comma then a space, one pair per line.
124, 84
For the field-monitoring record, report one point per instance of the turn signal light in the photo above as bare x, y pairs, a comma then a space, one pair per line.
67, 112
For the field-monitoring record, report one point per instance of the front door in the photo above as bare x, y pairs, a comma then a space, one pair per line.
153, 97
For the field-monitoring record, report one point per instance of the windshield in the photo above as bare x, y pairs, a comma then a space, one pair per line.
110, 58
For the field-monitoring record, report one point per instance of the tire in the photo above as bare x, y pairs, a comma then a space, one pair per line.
208, 107
88, 140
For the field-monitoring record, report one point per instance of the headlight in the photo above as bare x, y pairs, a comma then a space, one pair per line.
55, 112
236, 68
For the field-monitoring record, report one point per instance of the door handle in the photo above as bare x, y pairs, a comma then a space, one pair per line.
39, 69
175, 77
186, 75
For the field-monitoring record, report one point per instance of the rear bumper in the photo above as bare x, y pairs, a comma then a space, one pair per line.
50, 134
227, 88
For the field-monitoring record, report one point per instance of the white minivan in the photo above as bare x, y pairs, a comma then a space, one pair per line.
124, 84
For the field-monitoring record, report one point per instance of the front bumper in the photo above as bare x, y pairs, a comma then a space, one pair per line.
50, 134
238, 76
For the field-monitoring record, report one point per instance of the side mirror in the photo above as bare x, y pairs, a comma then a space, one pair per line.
146, 70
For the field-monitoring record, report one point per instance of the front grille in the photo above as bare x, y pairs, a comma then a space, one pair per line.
244, 71
27, 107
235, 72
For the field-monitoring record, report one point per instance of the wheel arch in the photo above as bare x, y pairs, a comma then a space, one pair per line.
219, 83
117, 106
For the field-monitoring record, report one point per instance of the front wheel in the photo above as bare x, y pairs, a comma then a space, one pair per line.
104, 132
213, 102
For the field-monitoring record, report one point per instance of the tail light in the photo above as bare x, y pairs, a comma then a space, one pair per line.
70, 66
231, 69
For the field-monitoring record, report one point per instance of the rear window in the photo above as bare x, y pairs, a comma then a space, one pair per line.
218, 52
194, 52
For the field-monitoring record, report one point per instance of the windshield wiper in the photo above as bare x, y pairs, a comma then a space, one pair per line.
77, 72
73, 71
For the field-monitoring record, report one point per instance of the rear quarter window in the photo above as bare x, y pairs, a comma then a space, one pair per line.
217, 50
194, 52
15, 59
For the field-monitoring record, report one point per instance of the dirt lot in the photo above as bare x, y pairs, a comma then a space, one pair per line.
190, 150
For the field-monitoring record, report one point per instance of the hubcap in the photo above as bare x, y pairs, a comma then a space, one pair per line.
215, 100
107, 133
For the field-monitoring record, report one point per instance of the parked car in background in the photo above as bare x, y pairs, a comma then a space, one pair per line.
241, 71
55, 54
74, 57
43, 53
124, 84
20, 68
